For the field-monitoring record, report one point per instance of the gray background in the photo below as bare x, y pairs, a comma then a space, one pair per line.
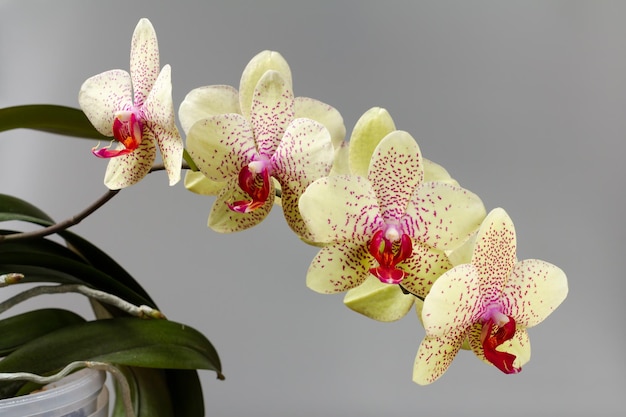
523, 102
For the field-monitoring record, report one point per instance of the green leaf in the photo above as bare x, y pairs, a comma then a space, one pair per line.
124, 341
104, 263
13, 208
49, 266
62, 120
186, 392
149, 392
22, 328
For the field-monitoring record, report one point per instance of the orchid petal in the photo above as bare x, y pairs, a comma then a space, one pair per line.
224, 220
341, 164
397, 158
379, 301
443, 216
423, 268
304, 155
462, 254
338, 267
103, 95
435, 172
435, 355
272, 111
370, 129
259, 65
533, 291
341, 208
204, 102
494, 253
125, 170
144, 60
221, 145
324, 114
453, 301
198, 183
159, 111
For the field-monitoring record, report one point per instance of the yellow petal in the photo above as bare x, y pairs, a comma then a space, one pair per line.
197, 183
537, 287
259, 65
370, 129
378, 301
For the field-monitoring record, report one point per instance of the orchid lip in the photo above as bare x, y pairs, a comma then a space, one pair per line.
127, 130
254, 180
388, 254
495, 334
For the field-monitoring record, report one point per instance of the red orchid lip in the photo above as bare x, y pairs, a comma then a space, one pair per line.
254, 183
127, 130
491, 340
382, 249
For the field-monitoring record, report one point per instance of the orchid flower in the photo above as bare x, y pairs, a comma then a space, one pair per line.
373, 298
137, 110
246, 142
205, 102
390, 224
491, 301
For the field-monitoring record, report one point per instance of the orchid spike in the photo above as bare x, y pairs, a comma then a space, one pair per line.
247, 143
138, 111
390, 224
490, 301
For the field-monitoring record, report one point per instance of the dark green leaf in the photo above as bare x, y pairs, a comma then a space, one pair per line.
186, 392
22, 328
62, 120
10, 205
149, 391
126, 341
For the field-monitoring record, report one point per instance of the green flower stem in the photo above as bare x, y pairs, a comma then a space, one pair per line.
142, 311
71, 367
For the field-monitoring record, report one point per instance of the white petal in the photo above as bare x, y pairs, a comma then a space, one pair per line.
323, 113
144, 60
339, 267
222, 219
102, 95
259, 65
395, 171
370, 129
272, 111
159, 112
198, 183
221, 145
304, 155
204, 102
123, 171
442, 215
435, 355
494, 253
378, 301
453, 301
533, 291
340, 208
435, 172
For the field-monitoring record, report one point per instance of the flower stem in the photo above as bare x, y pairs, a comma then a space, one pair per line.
74, 220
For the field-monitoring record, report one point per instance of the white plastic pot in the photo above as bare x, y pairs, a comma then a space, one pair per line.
77, 395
